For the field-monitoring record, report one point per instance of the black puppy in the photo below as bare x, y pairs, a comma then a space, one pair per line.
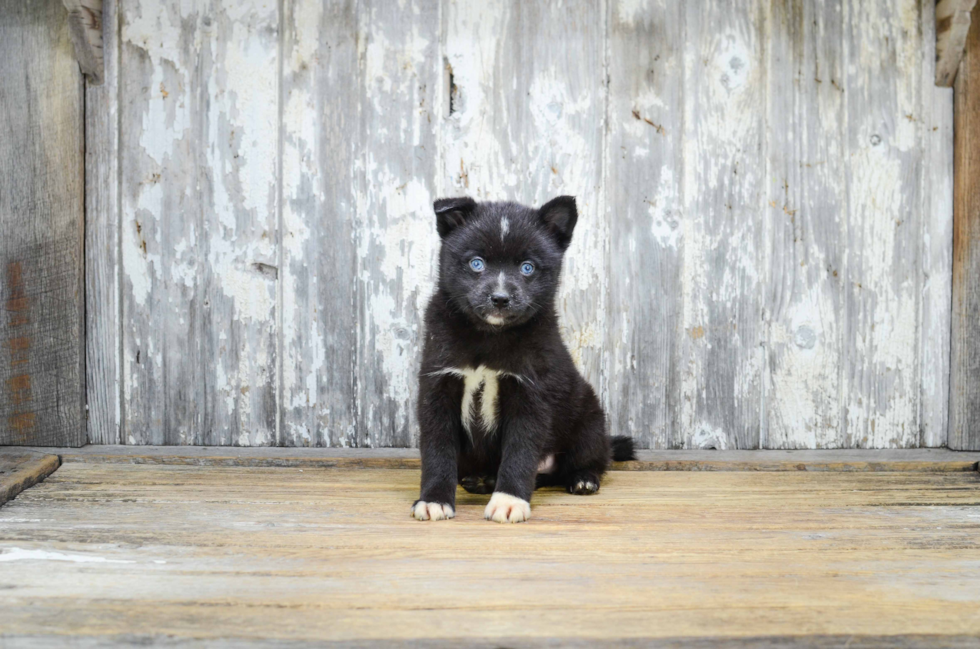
501, 406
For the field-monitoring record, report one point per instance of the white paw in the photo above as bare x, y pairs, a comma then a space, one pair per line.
424, 511
504, 508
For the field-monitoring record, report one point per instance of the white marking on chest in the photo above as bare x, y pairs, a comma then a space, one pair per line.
504, 228
481, 380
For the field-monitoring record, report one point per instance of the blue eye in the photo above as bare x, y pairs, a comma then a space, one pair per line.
477, 264
527, 268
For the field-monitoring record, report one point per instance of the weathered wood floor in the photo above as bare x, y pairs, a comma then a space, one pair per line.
174, 555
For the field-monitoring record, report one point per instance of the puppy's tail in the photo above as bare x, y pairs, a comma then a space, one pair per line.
622, 448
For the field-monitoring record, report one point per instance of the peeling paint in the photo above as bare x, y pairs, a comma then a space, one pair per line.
761, 257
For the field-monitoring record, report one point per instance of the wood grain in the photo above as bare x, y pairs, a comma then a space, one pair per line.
394, 189
319, 265
644, 208
724, 249
332, 555
199, 159
20, 470
103, 304
936, 256
806, 194
953, 26
763, 257
964, 426
880, 367
42, 339
85, 26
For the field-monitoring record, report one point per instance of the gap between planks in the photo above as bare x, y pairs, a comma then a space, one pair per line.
905, 460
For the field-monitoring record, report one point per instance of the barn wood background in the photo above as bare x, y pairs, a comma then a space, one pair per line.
762, 260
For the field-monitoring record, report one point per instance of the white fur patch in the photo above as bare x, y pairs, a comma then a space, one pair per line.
501, 281
494, 320
547, 465
504, 508
424, 511
476, 380
504, 228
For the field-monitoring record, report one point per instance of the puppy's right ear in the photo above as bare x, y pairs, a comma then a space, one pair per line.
452, 213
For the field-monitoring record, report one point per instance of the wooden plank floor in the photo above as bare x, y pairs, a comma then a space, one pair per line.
120, 553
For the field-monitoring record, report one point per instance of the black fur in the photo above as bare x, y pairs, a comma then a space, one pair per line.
475, 319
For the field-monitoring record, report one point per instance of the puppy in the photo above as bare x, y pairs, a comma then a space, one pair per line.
501, 406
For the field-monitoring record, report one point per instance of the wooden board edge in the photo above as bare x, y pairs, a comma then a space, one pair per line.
946, 462
841, 466
32, 470
257, 462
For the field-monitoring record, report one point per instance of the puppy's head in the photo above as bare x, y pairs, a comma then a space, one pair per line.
500, 262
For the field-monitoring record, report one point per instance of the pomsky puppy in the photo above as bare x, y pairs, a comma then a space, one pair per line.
501, 406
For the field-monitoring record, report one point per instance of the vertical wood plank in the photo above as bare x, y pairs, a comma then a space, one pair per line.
724, 247
525, 122
42, 373
320, 99
103, 324
935, 279
160, 222
563, 131
199, 232
806, 194
398, 46
645, 214
880, 324
964, 425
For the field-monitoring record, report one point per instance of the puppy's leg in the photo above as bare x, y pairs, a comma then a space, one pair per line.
523, 431
587, 460
439, 445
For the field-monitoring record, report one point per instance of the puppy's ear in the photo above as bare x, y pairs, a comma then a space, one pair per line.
560, 215
452, 213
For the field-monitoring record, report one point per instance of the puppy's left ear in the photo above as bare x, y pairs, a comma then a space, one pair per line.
560, 215
452, 213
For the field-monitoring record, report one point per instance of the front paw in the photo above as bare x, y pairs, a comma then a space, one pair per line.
504, 508
424, 511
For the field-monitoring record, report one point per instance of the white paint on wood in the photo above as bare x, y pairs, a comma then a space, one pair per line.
724, 254
761, 258
644, 208
880, 325
20, 554
199, 234
395, 235
806, 194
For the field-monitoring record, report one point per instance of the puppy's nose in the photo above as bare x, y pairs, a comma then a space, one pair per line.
500, 300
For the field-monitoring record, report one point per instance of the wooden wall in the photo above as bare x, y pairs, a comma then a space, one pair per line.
42, 349
964, 429
763, 255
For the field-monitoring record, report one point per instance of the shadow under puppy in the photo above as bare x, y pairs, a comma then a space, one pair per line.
501, 406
